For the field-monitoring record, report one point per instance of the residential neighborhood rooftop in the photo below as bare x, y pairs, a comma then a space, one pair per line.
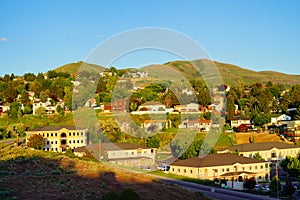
56, 128
215, 160
261, 146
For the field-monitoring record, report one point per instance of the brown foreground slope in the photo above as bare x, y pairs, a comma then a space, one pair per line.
32, 174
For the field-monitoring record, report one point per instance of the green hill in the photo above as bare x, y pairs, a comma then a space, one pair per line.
72, 68
233, 74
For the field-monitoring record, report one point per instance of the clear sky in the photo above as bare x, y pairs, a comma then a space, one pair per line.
36, 36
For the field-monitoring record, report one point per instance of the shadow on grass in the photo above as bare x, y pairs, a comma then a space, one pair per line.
25, 174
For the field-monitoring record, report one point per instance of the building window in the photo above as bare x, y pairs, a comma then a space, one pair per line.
223, 170
173, 169
184, 170
243, 168
43, 134
70, 141
77, 133
55, 149
55, 142
191, 171
51, 134
56, 134
132, 153
81, 133
259, 177
255, 167
69, 133
250, 167
82, 141
51, 142
48, 143
261, 167
227, 169
47, 134
77, 141
241, 154
178, 170
73, 141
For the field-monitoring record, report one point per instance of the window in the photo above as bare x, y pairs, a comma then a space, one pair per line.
261, 167
255, 167
69, 133
81, 133
77, 133
82, 141
51, 134
243, 168
250, 167
77, 141
132, 153
178, 170
191, 171
259, 177
51, 142
47, 134
48, 143
223, 170
173, 169
184, 170
55, 149
227, 169
55, 134
55, 142
73, 141
43, 134
70, 141
241, 154
73, 133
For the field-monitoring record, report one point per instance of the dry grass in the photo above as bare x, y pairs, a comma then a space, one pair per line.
31, 174
258, 137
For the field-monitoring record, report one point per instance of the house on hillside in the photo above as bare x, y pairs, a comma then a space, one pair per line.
239, 121
50, 109
202, 125
292, 129
60, 138
188, 108
155, 125
270, 151
222, 166
152, 107
275, 119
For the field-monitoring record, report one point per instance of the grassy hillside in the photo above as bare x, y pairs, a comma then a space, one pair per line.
32, 174
233, 74
72, 68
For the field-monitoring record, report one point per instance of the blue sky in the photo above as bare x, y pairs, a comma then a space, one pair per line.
36, 36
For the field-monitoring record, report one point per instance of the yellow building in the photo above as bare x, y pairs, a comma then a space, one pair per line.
222, 166
270, 151
60, 138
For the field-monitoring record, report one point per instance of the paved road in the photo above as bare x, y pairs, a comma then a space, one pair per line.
219, 193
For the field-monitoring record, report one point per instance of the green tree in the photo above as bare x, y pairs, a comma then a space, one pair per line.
40, 111
36, 141
291, 165
261, 119
275, 184
27, 110
153, 142
258, 157
14, 110
30, 77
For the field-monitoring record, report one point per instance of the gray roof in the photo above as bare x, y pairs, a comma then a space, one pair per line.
211, 160
261, 146
122, 146
56, 128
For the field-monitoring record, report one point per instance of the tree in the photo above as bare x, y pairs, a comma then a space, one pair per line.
36, 141
60, 110
30, 77
258, 157
261, 119
153, 142
40, 111
14, 110
250, 183
291, 165
275, 184
27, 109
289, 188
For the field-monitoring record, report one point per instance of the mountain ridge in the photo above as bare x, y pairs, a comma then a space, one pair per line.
231, 74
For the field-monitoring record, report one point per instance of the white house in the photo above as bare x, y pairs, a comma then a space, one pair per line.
239, 121
275, 119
